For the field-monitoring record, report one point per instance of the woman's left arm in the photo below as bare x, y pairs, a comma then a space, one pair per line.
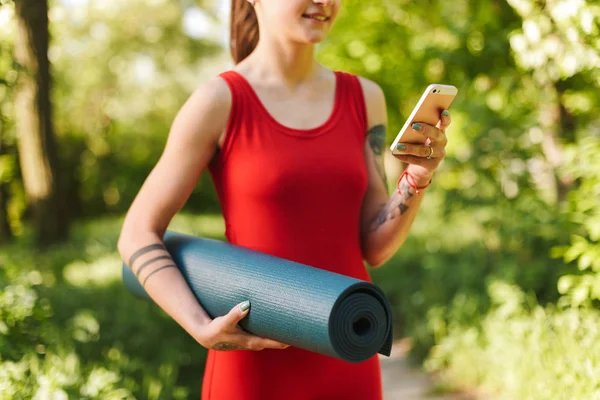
386, 220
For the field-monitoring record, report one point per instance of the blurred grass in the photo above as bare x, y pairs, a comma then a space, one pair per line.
67, 303
66, 313
68, 327
521, 350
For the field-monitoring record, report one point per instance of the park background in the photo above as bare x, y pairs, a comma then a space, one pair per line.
497, 286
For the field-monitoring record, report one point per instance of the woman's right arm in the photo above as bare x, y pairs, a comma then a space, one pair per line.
193, 140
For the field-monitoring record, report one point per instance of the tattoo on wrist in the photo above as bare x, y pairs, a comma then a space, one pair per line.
225, 346
396, 206
156, 270
376, 137
405, 190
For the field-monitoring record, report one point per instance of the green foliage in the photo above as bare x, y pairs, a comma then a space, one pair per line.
499, 282
120, 73
583, 287
523, 351
439, 277
558, 40
505, 248
9, 168
114, 120
69, 328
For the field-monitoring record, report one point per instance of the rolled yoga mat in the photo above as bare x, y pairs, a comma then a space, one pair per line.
293, 303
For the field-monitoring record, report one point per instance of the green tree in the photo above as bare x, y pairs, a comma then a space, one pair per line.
37, 149
119, 75
508, 192
559, 45
5, 229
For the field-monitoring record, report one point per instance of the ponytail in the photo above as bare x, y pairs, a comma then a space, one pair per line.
244, 30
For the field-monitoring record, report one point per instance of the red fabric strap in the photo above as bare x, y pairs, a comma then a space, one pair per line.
412, 184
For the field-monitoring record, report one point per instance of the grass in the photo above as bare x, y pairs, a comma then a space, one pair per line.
67, 321
69, 328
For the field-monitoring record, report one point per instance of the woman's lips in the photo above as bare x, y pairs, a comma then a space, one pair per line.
316, 17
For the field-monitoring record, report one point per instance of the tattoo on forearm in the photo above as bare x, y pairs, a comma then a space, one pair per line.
405, 190
376, 137
396, 206
227, 346
144, 250
156, 270
144, 265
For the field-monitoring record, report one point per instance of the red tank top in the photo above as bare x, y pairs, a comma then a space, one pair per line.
295, 194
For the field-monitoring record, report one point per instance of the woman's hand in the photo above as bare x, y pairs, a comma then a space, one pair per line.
425, 158
224, 333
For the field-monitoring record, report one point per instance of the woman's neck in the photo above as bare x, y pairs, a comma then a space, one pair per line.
292, 63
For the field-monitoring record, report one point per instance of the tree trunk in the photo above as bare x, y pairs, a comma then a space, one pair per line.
558, 129
36, 146
5, 230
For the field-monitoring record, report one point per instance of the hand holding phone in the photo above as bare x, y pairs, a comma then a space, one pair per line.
434, 100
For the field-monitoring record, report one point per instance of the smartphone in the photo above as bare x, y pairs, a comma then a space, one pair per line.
428, 110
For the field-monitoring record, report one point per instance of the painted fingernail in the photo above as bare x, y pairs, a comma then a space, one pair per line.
401, 147
244, 306
446, 113
416, 127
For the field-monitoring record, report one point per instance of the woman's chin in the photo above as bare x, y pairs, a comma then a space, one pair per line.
314, 37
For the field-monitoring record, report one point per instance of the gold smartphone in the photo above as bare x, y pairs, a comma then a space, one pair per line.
434, 100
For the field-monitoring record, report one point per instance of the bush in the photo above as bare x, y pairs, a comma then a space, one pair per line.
68, 329
523, 351
440, 274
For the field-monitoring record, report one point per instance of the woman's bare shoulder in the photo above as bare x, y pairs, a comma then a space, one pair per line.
375, 101
371, 89
206, 111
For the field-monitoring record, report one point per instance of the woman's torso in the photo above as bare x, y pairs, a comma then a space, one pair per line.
292, 193
295, 194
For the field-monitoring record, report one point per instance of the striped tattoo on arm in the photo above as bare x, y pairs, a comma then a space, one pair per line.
147, 249
144, 265
144, 250
156, 270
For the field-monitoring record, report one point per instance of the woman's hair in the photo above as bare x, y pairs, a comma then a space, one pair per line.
244, 30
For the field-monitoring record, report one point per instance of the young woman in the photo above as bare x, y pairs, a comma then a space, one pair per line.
295, 151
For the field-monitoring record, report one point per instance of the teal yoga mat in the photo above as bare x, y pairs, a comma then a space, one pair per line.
299, 305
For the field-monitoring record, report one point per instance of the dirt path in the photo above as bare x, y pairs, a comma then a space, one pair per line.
402, 382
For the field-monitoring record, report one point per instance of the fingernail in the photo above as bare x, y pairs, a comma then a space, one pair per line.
244, 306
401, 147
446, 113
416, 127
